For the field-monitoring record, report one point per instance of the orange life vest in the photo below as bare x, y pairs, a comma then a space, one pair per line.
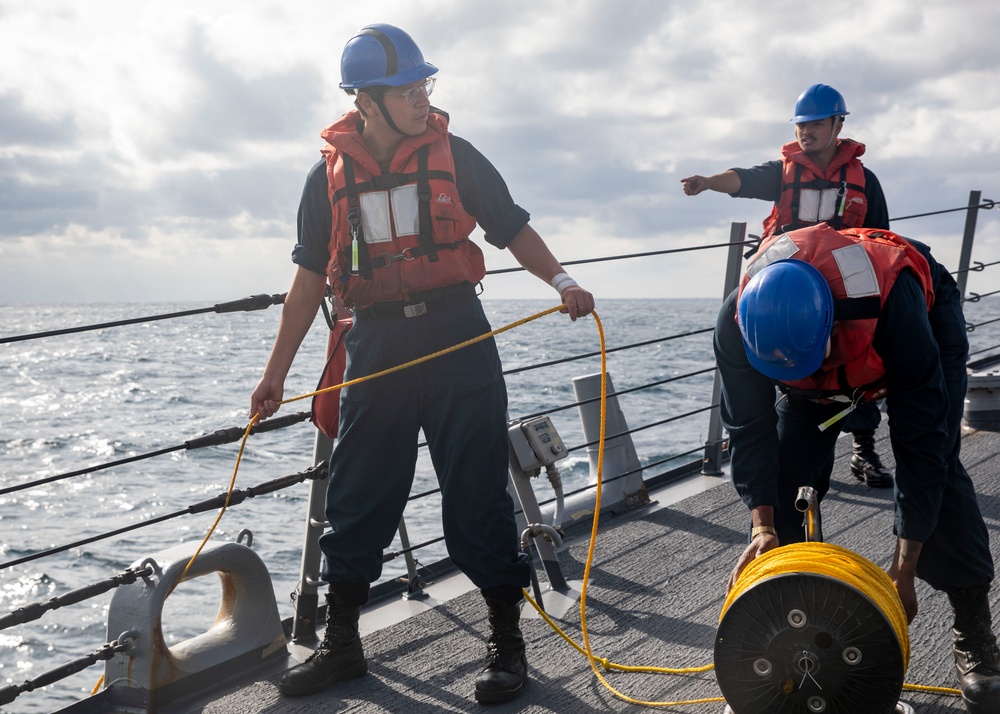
809, 195
861, 266
401, 232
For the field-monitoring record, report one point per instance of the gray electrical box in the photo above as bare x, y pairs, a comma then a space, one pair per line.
536, 443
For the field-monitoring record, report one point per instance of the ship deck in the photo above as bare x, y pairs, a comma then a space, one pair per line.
656, 588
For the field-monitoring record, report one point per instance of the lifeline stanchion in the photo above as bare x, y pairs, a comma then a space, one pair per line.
805, 662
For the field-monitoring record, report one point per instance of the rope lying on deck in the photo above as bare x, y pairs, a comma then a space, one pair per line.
867, 580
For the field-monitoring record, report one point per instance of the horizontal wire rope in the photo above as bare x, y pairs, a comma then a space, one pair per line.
33, 611
587, 355
984, 349
970, 327
976, 297
263, 301
609, 258
216, 438
231, 498
978, 267
986, 204
247, 304
620, 392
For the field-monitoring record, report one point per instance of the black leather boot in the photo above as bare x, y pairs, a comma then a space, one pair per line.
506, 668
338, 657
865, 463
977, 658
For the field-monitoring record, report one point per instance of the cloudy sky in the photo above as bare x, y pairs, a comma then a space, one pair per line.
156, 151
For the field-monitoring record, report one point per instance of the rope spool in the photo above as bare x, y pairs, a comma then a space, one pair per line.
812, 628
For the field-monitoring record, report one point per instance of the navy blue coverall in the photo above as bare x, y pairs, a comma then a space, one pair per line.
459, 400
775, 449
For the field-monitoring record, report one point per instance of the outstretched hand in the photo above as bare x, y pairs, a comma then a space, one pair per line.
693, 185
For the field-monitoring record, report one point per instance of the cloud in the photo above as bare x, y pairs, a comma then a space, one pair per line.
223, 111
194, 125
20, 126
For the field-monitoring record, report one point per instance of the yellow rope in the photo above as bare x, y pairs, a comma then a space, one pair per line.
359, 380
428, 358
837, 563
881, 590
586, 650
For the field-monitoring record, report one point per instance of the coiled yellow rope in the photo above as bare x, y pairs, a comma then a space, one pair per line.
837, 563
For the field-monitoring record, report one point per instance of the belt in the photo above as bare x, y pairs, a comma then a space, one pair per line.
418, 303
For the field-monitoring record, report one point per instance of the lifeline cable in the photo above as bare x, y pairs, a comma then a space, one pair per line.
337, 387
247, 304
592, 659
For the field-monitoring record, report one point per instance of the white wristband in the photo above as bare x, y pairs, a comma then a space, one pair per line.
562, 281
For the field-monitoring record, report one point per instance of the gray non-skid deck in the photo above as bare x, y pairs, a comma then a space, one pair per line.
656, 588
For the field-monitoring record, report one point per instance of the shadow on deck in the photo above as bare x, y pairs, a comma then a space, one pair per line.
656, 589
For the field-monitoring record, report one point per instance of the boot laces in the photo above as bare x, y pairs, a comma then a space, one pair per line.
503, 648
502, 654
338, 634
984, 658
493, 654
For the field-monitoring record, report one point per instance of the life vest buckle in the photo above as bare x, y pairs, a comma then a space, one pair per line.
415, 310
407, 255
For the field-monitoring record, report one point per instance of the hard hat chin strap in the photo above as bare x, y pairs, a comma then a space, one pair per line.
378, 99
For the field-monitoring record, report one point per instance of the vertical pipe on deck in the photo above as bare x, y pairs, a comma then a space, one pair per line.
306, 592
970, 232
414, 586
712, 463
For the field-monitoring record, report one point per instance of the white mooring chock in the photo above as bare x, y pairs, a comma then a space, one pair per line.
247, 629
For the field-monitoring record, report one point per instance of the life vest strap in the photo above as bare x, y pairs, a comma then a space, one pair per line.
864, 308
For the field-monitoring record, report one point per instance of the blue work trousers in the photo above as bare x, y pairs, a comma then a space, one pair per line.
460, 402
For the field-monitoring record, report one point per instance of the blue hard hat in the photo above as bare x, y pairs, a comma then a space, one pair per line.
819, 102
382, 54
785, 314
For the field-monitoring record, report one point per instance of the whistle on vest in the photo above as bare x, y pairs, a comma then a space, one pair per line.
354, 220
836, 417
854, 402
842, 193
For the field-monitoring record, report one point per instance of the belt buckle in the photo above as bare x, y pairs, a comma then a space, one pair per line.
415, 310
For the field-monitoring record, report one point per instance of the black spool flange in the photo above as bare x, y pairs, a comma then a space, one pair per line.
803, 643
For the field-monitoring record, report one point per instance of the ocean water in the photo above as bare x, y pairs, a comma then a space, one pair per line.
75, 401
